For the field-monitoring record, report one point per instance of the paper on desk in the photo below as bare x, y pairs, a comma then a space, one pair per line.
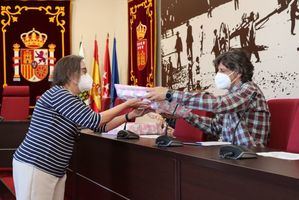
212, 143
149, 136
150, 128
280, 155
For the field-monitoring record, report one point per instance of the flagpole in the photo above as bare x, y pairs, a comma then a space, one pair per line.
115, 75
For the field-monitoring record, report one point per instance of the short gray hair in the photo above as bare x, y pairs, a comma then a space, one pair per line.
66, 68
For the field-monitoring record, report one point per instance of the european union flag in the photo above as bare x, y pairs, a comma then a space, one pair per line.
115, 76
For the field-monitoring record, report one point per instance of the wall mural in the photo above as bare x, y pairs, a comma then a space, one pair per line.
194, 32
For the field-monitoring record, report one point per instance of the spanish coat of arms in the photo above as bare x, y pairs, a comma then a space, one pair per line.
34, 63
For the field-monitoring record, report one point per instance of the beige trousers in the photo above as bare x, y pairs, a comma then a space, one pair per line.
33, 184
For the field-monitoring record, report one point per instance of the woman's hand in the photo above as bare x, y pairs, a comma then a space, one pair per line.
136, 103
169, 116
138, 112
156, 93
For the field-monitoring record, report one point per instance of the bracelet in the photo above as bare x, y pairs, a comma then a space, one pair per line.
127, 117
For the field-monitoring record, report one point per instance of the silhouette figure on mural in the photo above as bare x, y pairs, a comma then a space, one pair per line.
215, 48
242, 31
190, 75
283, 3
197, 86
164, 72
293, 13
189, 40
236, 3
178, 49
163, 28
209, 8
201, 37
167, 22
171, 18
224, 38
252, 47
196, 65
170, 73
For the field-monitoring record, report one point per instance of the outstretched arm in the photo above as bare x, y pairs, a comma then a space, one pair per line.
117, 121
111, 113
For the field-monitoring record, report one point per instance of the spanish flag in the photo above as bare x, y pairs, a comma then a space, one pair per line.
95, 96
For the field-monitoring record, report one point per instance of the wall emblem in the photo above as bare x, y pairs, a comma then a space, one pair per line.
34, 63
141, 46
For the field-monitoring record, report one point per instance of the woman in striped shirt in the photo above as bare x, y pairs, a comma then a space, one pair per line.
40, 162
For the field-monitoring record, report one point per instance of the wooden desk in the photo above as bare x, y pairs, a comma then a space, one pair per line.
106, 168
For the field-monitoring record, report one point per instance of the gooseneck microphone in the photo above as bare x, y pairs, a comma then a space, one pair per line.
126, 134
172, 115
167, 141
233, 151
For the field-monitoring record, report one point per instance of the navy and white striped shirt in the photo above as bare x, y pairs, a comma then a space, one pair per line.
49, 142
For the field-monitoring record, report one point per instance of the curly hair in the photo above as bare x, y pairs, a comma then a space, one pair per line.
237, 60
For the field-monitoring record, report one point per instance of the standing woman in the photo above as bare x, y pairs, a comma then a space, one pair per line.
40, 162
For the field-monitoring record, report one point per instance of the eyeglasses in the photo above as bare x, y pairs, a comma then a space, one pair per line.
83, 70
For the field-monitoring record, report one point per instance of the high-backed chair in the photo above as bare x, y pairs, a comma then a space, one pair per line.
188, 133
15, 103
293, 142
283, 112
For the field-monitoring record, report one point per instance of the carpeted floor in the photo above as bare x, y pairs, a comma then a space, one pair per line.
5, 193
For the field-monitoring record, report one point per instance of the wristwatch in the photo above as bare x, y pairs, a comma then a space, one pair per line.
168, 95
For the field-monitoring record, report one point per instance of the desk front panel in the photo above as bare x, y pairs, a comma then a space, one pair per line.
221, 181
107, 168
132, 171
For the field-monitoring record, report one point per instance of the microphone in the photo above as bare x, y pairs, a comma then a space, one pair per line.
233, 151
167, 141
126, 134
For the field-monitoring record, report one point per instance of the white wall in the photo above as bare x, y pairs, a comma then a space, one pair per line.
99, 17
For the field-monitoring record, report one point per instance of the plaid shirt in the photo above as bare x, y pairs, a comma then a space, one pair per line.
229, 109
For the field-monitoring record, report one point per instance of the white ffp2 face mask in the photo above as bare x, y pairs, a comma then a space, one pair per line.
222, 81
85, 83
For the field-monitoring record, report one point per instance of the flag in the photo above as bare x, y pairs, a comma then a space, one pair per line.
115, 76
81, 49
95, 96
84, 96
107, 71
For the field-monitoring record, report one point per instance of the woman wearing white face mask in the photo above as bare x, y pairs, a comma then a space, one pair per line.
40, 162
244, 102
